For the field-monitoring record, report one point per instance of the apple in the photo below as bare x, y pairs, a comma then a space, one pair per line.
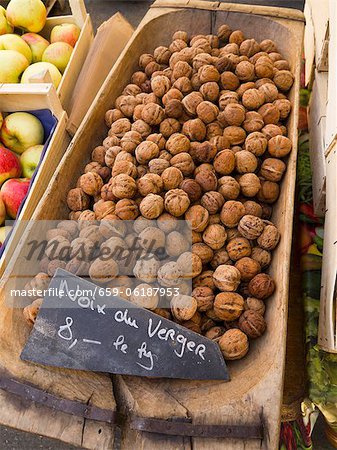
10, 166
30, 159
37, 68
4, 232
12, 64
5, 27
66, 32
37, 44
20, 131
14, 42
59, 54
30, 15
12, 193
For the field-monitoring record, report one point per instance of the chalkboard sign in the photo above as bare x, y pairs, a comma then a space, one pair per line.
80, 327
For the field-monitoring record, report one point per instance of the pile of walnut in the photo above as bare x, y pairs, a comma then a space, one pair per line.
200, 134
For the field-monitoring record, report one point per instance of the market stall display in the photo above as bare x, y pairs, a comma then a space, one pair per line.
231, 402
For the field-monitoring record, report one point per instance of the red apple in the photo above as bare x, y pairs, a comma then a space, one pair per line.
10, 166
13, 193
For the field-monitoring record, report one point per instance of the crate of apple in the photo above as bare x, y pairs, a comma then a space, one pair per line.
25, 54
21, 148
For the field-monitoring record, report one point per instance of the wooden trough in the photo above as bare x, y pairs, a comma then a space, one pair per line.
171, 414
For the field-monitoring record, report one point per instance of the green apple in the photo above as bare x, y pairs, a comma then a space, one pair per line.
40, 67
58, 54
12, 64
29, 15
66, 32
14, 42
4, 231
37, 44
5, 27
30, 159
20, 131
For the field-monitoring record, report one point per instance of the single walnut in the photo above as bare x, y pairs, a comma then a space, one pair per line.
261, 286
176, 244
227, 278
229, 81
250, 184
224, 32
234, 114
245, 71
237, 37
149, 301
202, 59
104, 208
184, 85
174, 108
264, 67
181, 35
279, 146
172, 94
269, 91
111, 154
183, 307
127, 209
176, 202
145, 59
183, 162
195, 130
146, 151
103, 271
153, 114
192, 189
139, 78
249, 47
190, 265
124, 186
253, 208
98, 155
120, 127
235, 135
182, 69
238, 248
210, 91
272, 169
226, 98
203, 152
169, 126
171, 178
205, 279
269, 113
229, 306
231, 213
150, 183
254, 304
284, 107
204, 252
191, 101
204, 297
214, 129
212, 201
269, 238
220, 257
150, 69
207, 180
151, 206
112, 115
130, 141
269, 192
207, 111
198, 216
125, 167
158, 165
168, 275
234, 344
251, 227
271, 131
256, 143
215, 236
282, 64
253, 99
91, 183
208, 73
253, 122
77, 200
152, 239
245, 162
142, 128
160, 85
252, 324
244, 87
284, 80
229, 188
177, 143
248, 268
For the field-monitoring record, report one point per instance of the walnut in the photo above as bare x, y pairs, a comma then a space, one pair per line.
251, 227
169, 126
158, 165
120, 127
177, 143
146, 269
228, 306
269, 238
78, 267
138, 78
152, 239
204, 297
235, 135
267, 211
127, 209
214, 129
142, 128
195, 130
207, 180
245, 71
198, 216
104, 208
146, 151
125, 167
145, 59
245, 162
184, 85
171, 178
256, 143
272, 169
169, 274
249, 47
244, 87
284, 107
229, 81
226, 278
226, 98
31, 312
253, 208
248, 268
224, 64
110, 155
208, 73
207, 111
149, 301
176, 202
167, 223
172, 94
269, 91
150, 183
269, 113
264, 67
234, 344
215, 236
190, 265
124, 186
112, 115
182, 69
269, 192
238, 247
103, 271
191, 101
252, 324
204, 252
192, 189
183, 162
130, 141
224, 32
279, 146
271, 131
234, 114
282, 64
183, 307
212, 201
229, 188
174, 109
250, 184
203, 152
153, 114
210, 91
160, 85
125, 156
176, 244
284, 80
180, 35
261, 286
254, 304
253, 122
98, 155
151, 206
253, 99
231, 213
237, 37
77, 200
204, 279
150, 69
91, 183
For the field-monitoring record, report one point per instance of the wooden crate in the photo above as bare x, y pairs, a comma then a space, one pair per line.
254, 396
79, 17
